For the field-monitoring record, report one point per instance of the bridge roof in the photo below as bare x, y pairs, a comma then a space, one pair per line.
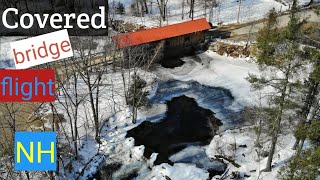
160, 33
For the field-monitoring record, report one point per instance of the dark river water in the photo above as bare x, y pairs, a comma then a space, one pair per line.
216, 99
195, 113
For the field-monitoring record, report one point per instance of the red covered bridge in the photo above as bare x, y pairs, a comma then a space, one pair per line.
179, 38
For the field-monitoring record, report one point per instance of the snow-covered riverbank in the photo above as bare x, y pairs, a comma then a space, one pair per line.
212, 71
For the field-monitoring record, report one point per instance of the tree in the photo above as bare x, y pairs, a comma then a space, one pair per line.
191, 12
15, 117
67, 78
162, 5
310, 2
239, 9
134, 59
139, 7
120, 9
256, 115
310, 106
91, 74
145, 6
182, 9
134, 10
307, 164
278, 52
217, 5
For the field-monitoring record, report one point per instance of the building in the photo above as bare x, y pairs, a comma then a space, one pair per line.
178, 39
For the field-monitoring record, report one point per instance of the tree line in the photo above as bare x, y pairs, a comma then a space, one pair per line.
291, 68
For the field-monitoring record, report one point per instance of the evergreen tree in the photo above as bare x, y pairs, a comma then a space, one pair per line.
307, 164
310, 108
120, 9
279, 58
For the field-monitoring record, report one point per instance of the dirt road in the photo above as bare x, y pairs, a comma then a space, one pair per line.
283, 20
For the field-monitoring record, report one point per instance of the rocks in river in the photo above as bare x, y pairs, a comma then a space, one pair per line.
185, 123
197, 155
105, 172
243, 146
171, 63
235, 175
117, 170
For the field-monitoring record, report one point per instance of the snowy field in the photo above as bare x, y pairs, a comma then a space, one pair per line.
227, 13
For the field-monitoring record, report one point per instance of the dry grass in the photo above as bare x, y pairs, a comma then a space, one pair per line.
18, 116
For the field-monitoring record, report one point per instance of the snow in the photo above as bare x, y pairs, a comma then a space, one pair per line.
178, 171
206, 68
213, 70
216, 99
227, 144
227, 13
217, 71
197, 155
6, 54
115, 120
5, 51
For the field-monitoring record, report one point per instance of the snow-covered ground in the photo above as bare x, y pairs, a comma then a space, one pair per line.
5, 51
227, 13
217, 71
213, 70
115, 119
206, 68
7, 55
227, 144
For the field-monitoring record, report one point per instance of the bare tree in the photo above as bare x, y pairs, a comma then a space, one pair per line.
142, 56
239, 9
68, 77
144, 2
85, 47
191, 11
162, 5
182, 9
311, 2
212, 5
15, 117
132, 60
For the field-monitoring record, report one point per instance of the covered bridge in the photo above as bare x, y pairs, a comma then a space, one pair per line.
178, 38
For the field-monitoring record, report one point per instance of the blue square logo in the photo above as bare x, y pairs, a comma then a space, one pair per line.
35, 151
